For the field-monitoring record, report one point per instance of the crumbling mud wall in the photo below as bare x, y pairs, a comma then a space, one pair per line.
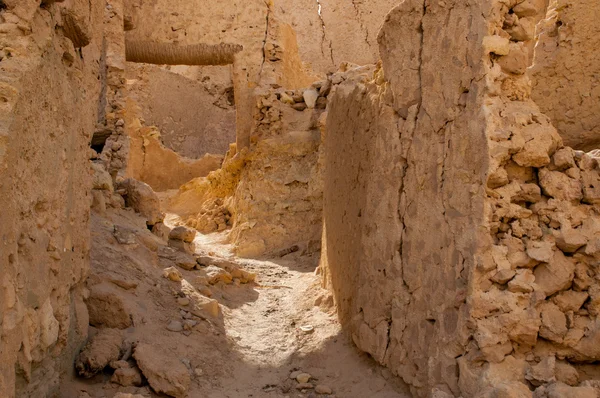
111, 123
278, 200
329, 31
364, 170
50, 69
270, 193
194, 117
151, 162
414, 233
566, 71
466, 262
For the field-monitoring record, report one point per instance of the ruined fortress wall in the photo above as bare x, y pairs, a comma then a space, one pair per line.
49, 108
277, 203
361, 224
566, 72
483, 282
307, 37
404, 194
194, 117
346, 31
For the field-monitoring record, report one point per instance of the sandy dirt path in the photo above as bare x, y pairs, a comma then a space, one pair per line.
283, 323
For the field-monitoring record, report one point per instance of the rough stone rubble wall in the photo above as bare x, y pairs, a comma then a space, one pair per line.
278, 201
567, 48
112, 123
462, 252
535, 288
50, 106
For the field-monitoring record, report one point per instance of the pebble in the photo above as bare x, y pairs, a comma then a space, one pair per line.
303, 378
175, 326
304, 386
199, 372
286, 99
295, 374
299, 106
322, 389
307, 328
183, 301
173, 274
205, 291
188, 324
310, 97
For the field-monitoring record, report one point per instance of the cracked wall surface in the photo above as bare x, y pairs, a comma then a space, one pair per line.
408, 302
50, 99
350, 28
459, 231
566, 71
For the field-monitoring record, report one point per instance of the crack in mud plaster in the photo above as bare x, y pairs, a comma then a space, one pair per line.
360, 22
264, 56
324, 34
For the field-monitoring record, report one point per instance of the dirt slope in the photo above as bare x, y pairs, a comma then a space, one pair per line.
249, 350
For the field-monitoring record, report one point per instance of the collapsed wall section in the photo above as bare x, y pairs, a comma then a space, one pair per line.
50, 71
278, 200
150, 161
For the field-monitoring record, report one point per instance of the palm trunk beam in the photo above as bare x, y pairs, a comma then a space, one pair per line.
172, 54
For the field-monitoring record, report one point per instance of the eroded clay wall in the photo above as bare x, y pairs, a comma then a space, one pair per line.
50, 96
480, 281
329, 31
194, 113
363, 180
408, 245
566, 73
155, 164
